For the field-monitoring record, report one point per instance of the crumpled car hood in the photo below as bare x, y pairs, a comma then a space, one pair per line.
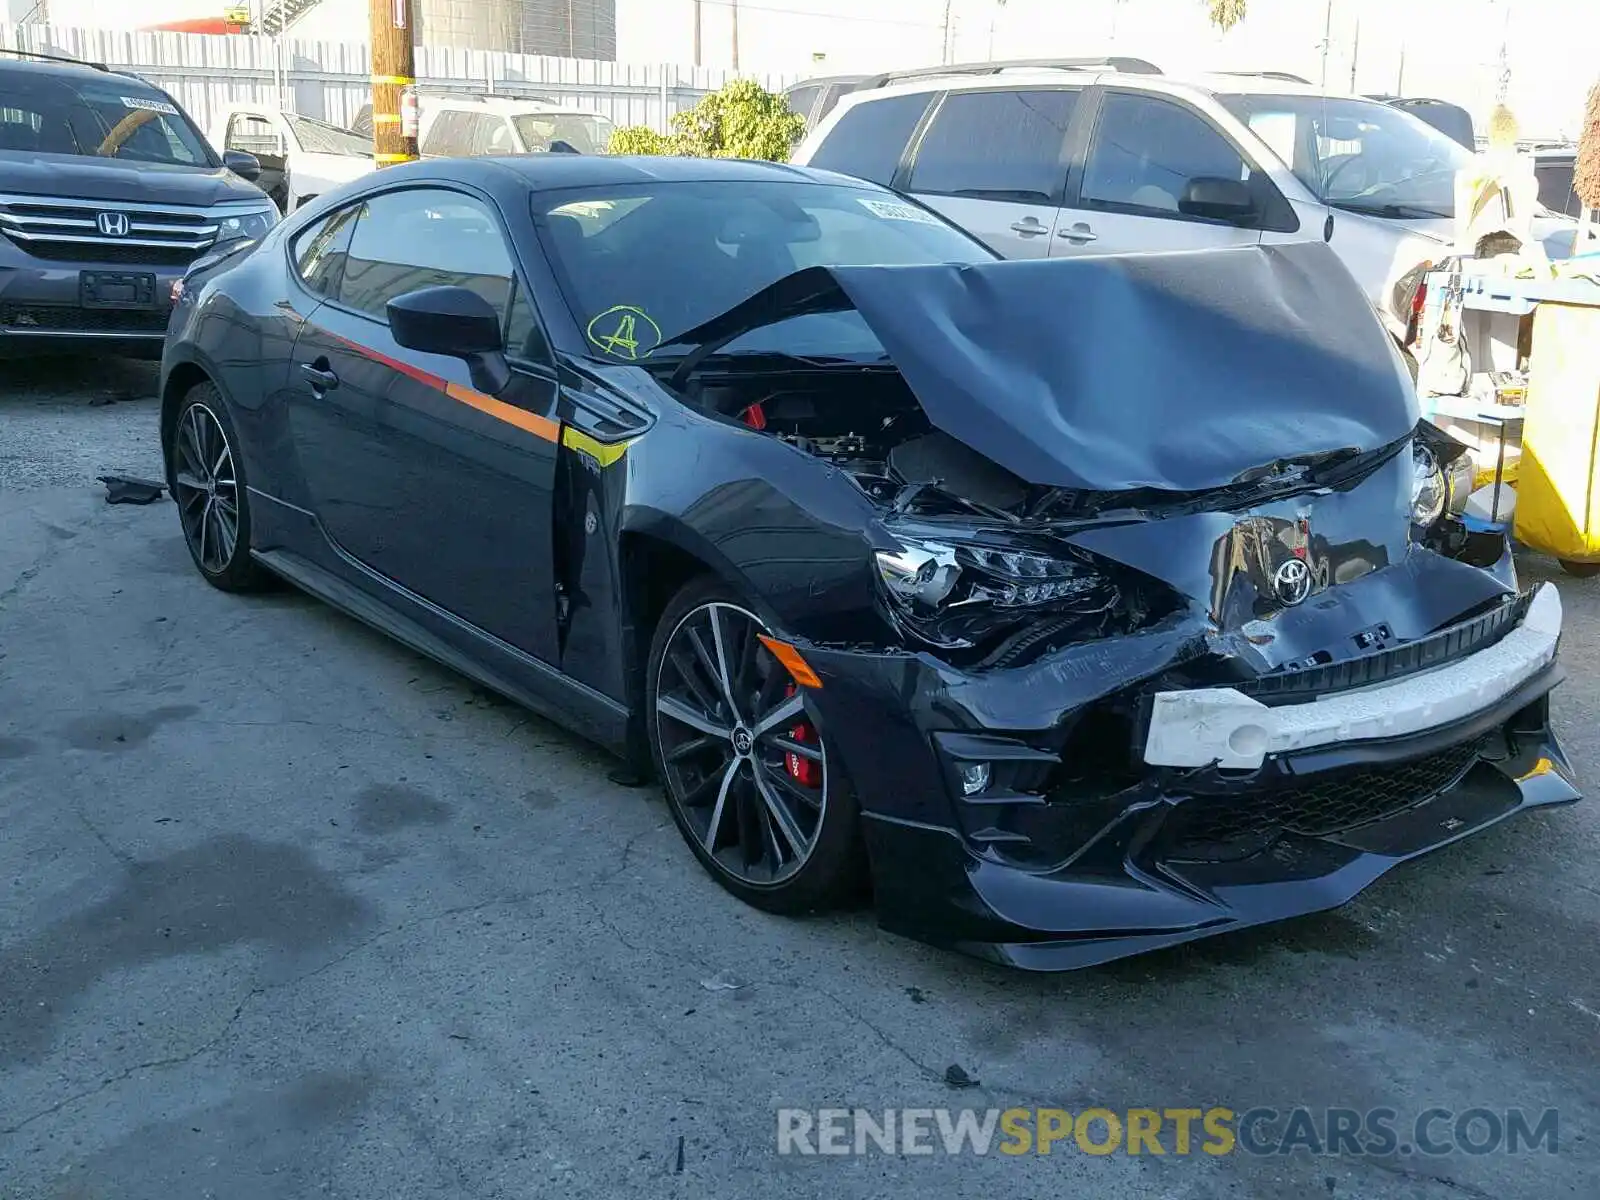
1178, 371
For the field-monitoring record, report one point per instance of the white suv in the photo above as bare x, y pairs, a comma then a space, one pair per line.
470, 126
1044, 162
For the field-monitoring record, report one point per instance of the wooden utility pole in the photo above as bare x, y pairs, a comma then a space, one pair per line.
393, 69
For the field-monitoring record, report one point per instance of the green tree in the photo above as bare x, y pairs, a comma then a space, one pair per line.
743, 120
1225, 14
640, 139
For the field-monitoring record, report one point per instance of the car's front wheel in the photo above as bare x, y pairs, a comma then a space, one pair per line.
208, 484
746, 767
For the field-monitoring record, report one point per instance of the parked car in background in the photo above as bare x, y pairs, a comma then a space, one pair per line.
464, 126
108, 192
1449, 119
1554, 167
300, 156
814, 99
1050, 162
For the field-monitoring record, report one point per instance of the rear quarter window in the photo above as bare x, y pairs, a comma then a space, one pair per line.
869, 139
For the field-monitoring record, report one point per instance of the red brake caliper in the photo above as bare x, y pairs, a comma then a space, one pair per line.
802, 770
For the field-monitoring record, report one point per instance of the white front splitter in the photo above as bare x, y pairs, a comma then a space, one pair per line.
1220, 725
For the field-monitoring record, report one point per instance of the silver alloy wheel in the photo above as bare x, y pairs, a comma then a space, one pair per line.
743, 764
206, 487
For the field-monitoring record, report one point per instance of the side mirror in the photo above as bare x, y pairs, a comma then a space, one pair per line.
245, 166
456, 322
1217, 198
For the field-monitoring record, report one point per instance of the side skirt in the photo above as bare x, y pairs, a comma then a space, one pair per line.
516, 675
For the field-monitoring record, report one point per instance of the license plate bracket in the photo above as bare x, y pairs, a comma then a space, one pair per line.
117, 289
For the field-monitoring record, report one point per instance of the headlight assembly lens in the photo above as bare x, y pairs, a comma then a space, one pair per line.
253, 224
1428, 491
950, 591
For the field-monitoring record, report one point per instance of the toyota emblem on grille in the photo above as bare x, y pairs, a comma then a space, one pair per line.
1292, 582
112, 224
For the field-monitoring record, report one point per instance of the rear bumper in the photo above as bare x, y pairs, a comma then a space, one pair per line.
1056, 867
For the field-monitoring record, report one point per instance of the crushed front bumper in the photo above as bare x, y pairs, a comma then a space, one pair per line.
1086, 846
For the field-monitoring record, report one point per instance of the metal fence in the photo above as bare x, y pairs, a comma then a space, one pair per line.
330, 80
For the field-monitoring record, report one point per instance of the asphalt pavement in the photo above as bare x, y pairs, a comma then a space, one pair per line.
289, 911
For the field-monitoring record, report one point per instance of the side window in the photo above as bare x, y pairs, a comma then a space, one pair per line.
494, 137
801, 101
254, 135
1146, 152
447, 136
319, 250
997, 145
869, 138
425, 237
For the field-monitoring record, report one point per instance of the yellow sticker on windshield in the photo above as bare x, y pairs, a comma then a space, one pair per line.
625, 331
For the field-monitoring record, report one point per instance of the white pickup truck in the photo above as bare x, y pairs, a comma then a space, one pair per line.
300, 156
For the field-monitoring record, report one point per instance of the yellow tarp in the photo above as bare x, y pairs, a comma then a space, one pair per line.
1558, 485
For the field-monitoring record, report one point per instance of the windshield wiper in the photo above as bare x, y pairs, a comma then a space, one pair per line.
1401, 211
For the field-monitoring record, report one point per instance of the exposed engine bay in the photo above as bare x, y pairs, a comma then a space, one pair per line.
1007, 591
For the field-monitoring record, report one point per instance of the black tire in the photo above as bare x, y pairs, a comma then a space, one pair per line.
1580, 570
201, 491
832, 869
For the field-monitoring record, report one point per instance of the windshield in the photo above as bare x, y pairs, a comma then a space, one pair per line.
1358, 154
319, 137
584, 133
118, 118
666, 257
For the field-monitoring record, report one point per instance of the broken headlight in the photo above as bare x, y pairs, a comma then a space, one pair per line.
952, 590
1428, 488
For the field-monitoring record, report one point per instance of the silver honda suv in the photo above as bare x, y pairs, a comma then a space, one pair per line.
108, 192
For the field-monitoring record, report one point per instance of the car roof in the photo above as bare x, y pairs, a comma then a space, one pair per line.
504, 104
50, 67
1198, 84
552, 171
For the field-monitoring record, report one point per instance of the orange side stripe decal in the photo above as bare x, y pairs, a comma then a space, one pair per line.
533, 423
520, 417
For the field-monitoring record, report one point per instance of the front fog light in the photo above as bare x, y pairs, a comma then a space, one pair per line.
1427, 486
975, 778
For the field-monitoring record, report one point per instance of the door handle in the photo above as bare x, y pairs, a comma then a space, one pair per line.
1029, 227
319, 376
1078, 233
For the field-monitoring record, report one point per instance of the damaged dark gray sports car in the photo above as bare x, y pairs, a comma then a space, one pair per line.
1081, 606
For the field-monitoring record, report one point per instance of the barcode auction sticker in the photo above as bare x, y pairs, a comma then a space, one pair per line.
890, 210
160, 106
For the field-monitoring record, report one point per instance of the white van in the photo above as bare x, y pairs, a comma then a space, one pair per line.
1044, 162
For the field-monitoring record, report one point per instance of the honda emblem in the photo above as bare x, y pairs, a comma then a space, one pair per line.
112, 224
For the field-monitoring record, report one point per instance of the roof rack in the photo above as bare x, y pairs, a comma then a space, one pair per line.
1285, 76
79, 62
1130, 66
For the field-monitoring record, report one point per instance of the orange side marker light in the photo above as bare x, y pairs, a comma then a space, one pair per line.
792, 662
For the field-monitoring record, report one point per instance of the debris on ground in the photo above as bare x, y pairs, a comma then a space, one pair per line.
956, 1077
723, 981
128, 489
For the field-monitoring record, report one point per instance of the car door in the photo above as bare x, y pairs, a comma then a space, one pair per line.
257, 135
415, 472
994, 161
1132, 188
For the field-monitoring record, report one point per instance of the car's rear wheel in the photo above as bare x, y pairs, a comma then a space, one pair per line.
208, 485
1580, 570
747, 770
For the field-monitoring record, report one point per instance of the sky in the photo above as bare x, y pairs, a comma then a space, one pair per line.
1451, 47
